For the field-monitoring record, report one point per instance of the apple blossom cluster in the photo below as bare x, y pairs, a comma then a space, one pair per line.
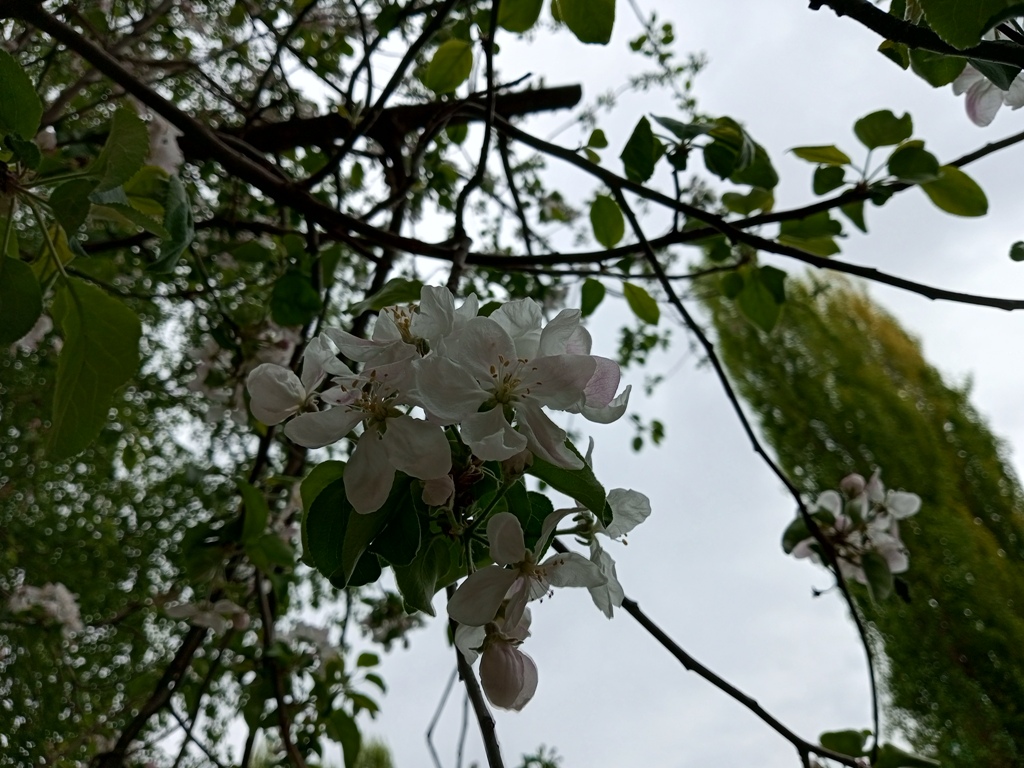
54, 601
859, 521
488, 378
983, 98
490, 606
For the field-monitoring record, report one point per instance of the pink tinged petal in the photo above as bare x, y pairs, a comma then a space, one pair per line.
902, 505
875, 490
830, 501
368, 476
276, 393
491, 437
804, 549
580, 344
507, 675
437, 491
469, 640
521, 320
560, 381
417, 448
483, 344
612, 412
983, 102
601, 388
629, 509
545, 438
608, 596
559, 334
320, 428
447, 390
505, 535
1014, 98
478, 598
571, 569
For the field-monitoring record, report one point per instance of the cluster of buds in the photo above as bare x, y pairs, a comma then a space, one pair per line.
860, 522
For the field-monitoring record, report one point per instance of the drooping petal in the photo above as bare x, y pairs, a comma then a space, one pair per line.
505, 534
601, 388
983, 102
629, 509
491, 436
558, 381
417, 448
968, 78
469, 640
902, 504
507, 675
609, 595
447, 390
571, 569
545, 438
478, 598
369, 475
276, 393
522, 591
320, 428
611, 412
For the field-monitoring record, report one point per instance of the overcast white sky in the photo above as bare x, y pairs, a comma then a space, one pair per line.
707, 565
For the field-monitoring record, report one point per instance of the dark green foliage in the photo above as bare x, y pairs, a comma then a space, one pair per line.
843, 388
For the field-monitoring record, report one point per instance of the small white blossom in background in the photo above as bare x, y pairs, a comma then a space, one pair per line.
54, 600
318, 637
219, 616
863, 519
164, 151
29, 343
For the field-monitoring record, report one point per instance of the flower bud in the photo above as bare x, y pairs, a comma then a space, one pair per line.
508, 676
852, 485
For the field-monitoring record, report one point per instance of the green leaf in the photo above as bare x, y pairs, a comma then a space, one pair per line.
757, 199
597, 139
255, 514
827, 178
607, 222
592, 295
180, 226
913, 164
897, 53
883, 128
855, 213
823, 155
957, 193
730, 284
124, 152
70, 204
519, 15
450, 66
852, 743
759, 173
21, 298
397, 290
795, 532
890, 756
641, 302
1016, 251
418, 581
758, 301
20, 108
580, 484
590, 20
100, 354
641, 152
456, 133
24, 151
1002, 75
321, 476
814, 234
934, 68
775, 281
399, 542
324, 526
341, 727
294, 300
367, 659
269, 552
962, 24
684, 131
879, 577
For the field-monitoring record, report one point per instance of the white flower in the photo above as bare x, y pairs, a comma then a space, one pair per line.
390, 440
984, 98
507, 675
277, 393
54, 600
219, 616
478, 598
629, 509
164, 151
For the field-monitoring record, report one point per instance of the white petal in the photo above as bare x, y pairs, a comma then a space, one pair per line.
1014, 98
505, 534
523, 589
547, 528
600, 390
478, 598
545, 438
901, 504
491, 436
559, 333
368, 475
830, 501
967, 78
276, 393
318, 354
507, 675
468, 640
629, 509
559, 381
354, 347
983, 102
572, 569
438, 490
436, 316
853, 485
529, 687
608, 596
521, 320
483, 345
417, 448
447, 390
612, 412
320, 428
